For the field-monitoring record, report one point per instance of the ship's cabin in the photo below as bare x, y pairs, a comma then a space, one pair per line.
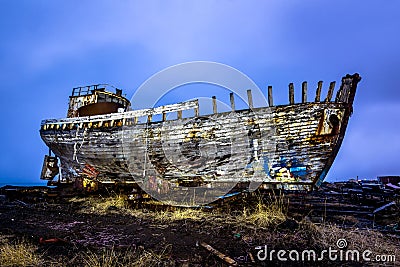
96, 100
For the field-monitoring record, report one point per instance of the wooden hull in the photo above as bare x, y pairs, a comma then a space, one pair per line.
272, 145
291, 146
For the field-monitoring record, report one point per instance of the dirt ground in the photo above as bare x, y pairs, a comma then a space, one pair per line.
79, 231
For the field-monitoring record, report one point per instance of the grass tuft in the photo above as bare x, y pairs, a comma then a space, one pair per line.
102, 205
137, 258
266, 213
179, 214
19, 254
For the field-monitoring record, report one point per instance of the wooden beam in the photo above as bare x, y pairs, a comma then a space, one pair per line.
220, 255
250, 99
129, 114
330, 91
291, 93
214, 103
270, 97
318, 94
232, 97
179, 112
304, 92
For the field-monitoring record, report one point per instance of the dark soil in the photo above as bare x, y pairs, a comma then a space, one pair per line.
62, 229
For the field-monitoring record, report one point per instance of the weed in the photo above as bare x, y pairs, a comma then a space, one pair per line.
179, 214
21, 253
266, 213
137, 257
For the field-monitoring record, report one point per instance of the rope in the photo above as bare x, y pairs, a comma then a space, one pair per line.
145, 154
76, 149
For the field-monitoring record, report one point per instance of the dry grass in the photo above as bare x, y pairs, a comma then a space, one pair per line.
266, 213
150, 258
24, 253
324, 236
109, 258
356, 239
138, 257
19, 254
256, 225
102, 205
115, 201
179, 214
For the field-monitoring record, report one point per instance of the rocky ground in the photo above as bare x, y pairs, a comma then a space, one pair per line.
108, 230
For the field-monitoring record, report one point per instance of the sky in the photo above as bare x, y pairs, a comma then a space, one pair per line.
48, 47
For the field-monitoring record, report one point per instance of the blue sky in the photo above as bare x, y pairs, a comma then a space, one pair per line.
48, 47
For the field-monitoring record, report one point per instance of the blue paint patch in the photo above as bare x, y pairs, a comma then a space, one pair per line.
296, 169
266, 164
299, 171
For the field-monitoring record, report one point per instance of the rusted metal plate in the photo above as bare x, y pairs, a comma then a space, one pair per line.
50, 168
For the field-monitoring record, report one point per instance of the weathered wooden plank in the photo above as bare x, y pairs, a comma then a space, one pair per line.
304, 92
318, 94
330, 91
232, 98
214, 103
270, 96
220, 255
250, 99
290, 122
168, 149
129, 114
291, 94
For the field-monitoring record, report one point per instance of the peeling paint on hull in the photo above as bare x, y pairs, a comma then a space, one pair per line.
292, 146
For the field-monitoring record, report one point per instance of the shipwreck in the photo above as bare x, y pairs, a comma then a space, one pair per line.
292, 146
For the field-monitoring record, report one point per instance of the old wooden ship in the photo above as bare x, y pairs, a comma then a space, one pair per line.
278, 146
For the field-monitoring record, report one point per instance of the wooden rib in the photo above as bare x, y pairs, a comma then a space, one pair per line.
304, 92
291, 93
270, 97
